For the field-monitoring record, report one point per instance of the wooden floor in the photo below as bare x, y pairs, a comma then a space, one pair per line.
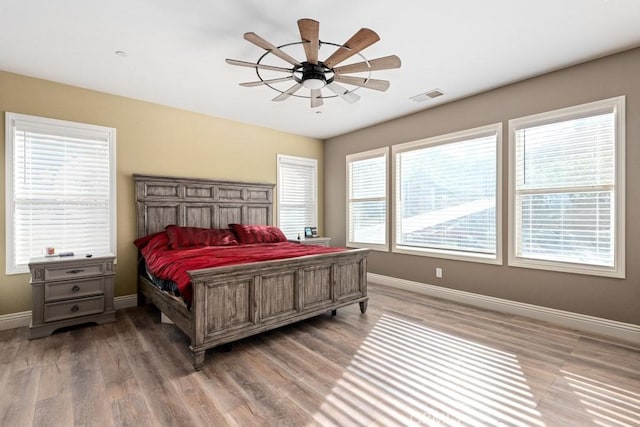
410, 360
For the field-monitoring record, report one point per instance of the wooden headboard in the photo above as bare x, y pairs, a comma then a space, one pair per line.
162, 201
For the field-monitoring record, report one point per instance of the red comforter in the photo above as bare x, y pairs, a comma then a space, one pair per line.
173, 264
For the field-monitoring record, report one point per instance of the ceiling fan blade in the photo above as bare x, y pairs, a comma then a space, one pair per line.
259, 41
261, 66
360, 40
309, 32
343, 93
375, 84
316, 100
385, 63
266, 82
287, 93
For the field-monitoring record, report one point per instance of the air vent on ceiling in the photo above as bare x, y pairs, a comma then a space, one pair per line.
427, 95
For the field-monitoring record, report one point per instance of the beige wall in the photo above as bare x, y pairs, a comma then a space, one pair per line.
603, 297
151, 139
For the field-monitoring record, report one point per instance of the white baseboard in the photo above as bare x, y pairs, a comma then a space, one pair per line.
15, 320
582, 322
23, 318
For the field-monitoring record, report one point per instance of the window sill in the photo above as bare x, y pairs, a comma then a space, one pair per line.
564, 267
454, 255
17, 271
373, 247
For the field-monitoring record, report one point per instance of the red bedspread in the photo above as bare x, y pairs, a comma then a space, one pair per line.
173, 264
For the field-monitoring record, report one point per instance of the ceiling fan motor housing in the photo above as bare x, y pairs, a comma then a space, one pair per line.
313, 75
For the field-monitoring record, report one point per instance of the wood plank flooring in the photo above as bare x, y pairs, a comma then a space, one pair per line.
410, 360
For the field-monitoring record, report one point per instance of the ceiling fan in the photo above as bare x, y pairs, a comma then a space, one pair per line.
314, 74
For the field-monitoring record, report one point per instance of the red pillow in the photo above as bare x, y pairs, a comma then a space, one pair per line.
257, 233
156, 239
184, 237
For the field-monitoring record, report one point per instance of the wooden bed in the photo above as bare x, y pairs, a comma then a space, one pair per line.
238, 301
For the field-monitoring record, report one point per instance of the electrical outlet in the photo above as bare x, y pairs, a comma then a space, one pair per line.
439, 273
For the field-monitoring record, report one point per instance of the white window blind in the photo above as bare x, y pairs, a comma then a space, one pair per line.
60, 188
297, 194
367, 199
565, 188
446, 197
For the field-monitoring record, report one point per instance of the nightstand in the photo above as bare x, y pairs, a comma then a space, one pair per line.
322, 241
69, 291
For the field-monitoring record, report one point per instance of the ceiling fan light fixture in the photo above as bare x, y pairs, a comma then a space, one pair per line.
314, 83
313, 77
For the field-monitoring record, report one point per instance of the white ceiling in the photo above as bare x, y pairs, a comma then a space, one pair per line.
176, 49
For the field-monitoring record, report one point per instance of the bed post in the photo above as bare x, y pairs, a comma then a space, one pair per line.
198, 309
363, 285
198, 359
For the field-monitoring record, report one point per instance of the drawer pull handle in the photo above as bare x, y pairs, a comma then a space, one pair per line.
75, 308
75, 288
76, 271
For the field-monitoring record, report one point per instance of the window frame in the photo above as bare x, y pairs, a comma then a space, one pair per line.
614, 105
297, 159
365, 155
73, 128
454, 137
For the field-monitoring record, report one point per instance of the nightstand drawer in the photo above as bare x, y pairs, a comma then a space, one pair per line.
73, 272
74, 308
73, 289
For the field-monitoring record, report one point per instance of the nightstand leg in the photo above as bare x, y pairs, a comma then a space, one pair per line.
334, 312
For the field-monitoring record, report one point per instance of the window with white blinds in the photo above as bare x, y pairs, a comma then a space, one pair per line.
60, 188
297, 194
367, 199
566, 189
447, 201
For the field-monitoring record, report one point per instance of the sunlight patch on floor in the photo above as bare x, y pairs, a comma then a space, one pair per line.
407, 374
607, 405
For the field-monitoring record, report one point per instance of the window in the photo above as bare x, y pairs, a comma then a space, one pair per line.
367, 199
567, 189
447, 198
297, 194
61, 192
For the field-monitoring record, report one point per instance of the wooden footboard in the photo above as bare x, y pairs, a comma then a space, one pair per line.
234, 302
